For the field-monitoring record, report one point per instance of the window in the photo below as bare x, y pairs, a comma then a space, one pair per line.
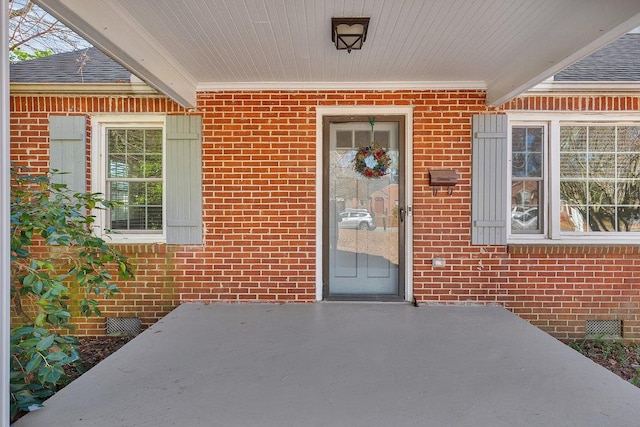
574, 178
600, 178
130, 171
134, 179
527, 178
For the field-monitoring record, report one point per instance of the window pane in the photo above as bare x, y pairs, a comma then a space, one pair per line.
527, 165
118, 167
154, 218
517, 139
135, 165
629, 165
135, 141
138, 193
628, 193
119, 218
573, 218
525, 206
344, 139
382, 137
573, 192
629, 219
602, 165
534, 165
154, 193
602, 138
137, 218
573, 165
573, 138
519, 165
629, 139
601, 218
153, 166
601, 193
117, 140
363, 138
119, 192
153, 141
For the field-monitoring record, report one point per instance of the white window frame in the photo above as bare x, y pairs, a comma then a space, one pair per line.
551, 205
99, 126
544, 207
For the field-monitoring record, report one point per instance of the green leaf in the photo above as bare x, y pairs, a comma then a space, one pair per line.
41, 319
38, 287
34, 363
49, 374
45, 343
56, 356
29, 279
21, 331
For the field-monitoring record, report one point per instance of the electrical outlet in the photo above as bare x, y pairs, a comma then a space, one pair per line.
438, 262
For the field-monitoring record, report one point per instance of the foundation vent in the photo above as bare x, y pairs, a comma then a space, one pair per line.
123, 325
603, 329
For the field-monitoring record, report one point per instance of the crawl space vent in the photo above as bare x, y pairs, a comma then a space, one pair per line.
603, 329
123, 325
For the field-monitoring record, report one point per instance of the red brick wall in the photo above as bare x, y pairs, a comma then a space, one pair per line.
153, 294
259, 175
558, 288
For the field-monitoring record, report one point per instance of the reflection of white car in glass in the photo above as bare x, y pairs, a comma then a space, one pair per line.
524, 218
357, 219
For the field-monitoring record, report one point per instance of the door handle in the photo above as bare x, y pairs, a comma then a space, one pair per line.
401, 214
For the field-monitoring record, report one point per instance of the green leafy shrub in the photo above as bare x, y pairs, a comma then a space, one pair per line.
53, 253
18, 54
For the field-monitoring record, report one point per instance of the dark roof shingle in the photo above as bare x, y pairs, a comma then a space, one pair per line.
619, 61
81, 66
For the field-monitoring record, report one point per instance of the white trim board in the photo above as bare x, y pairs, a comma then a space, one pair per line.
350, 86
5, 245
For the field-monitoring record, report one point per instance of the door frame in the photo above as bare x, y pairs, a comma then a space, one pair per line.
407, 112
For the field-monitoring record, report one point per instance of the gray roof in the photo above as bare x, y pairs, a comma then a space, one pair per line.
80, 66
618, 61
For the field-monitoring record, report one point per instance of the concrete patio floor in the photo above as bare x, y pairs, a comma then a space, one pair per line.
343, 364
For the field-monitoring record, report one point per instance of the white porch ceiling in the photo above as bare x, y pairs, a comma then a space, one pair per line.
504, 46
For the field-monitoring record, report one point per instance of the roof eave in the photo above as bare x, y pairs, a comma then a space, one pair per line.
122, 89
507, 88
585, 88
172, 79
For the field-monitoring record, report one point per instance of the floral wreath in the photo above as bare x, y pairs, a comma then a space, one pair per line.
372, 161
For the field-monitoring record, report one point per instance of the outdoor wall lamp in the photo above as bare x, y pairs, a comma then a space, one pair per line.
349, 33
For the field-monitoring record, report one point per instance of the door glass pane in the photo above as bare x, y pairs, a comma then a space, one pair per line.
363, 209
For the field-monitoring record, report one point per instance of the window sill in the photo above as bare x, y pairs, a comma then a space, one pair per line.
566, 248
134, 238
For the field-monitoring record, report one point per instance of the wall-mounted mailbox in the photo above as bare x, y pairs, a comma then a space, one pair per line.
443, 178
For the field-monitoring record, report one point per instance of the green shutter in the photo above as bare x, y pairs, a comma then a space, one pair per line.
184, 179
489, 190
67, 151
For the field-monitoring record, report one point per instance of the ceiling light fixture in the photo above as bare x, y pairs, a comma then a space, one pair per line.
349, 33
